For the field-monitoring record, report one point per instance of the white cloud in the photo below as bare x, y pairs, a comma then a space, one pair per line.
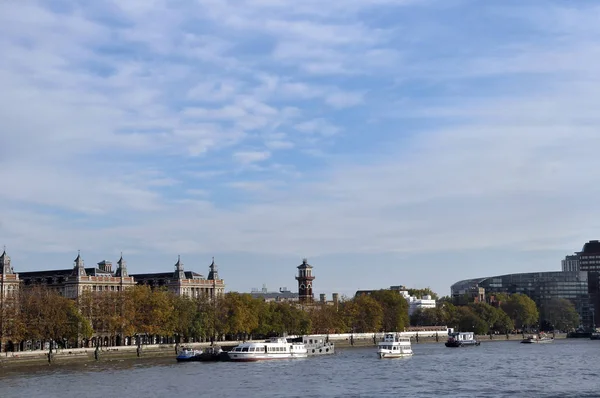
121, 134
317, 126
247, 157
344, 100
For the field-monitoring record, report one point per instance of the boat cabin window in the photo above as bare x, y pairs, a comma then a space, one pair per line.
251, 349
245, 349
238, 349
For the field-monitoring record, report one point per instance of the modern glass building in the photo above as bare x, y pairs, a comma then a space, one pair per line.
539, 286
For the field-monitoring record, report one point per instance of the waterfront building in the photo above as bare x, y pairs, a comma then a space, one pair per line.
570, 263
539, 286
71, 283
305, 280
185, 283
589, 263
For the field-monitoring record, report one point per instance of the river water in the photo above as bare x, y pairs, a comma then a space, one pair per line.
565, 368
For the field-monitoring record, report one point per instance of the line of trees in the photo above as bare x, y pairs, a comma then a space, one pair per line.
40, 314
514, 312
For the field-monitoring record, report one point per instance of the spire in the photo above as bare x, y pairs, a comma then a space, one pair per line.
79, 269
122, 269
5, 267
179, 273
214, 273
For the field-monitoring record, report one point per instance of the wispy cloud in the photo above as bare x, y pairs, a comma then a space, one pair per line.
164, 127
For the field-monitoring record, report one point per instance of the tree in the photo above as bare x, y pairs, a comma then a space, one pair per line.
242, 315
183, 317
522, 310
469, 321
49, 316
326, 319
425, 317
395, 310
364, 314
559, 313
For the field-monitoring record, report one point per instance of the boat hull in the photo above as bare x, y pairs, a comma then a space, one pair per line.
326, 349
387, 355
244, 357
456, 344
537, 341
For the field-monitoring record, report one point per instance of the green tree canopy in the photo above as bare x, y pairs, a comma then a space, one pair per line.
395, 310
560, 313
521, 310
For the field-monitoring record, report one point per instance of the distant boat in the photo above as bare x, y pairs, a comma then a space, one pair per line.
537, 339
187, 354
394, 346
461, 339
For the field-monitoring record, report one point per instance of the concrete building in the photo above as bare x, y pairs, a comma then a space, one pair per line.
570, 263
415, 303
589, 263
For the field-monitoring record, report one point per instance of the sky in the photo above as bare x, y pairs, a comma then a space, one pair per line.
390, 142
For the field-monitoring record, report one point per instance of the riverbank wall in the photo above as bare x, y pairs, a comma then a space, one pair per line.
365, 341
83, 355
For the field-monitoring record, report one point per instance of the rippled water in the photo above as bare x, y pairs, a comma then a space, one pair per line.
566, 368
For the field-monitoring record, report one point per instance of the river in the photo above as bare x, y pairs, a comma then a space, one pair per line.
565, 368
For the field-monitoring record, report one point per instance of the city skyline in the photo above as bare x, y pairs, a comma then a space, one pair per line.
413, 142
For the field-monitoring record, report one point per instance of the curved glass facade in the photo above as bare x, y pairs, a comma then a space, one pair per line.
539, 286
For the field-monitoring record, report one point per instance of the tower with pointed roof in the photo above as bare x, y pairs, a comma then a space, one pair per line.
213, 274
122, 269
5, 267
79, 268
305, 281
179, 272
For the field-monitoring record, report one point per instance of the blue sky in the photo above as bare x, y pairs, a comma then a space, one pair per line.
414, 142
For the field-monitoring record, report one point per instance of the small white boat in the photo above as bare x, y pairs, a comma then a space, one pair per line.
394, 346
274, 348
537, 339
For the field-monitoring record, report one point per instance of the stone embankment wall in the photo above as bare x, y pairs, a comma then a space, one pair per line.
62, 356
364, 340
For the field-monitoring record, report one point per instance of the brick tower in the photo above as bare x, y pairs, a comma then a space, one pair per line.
305, 279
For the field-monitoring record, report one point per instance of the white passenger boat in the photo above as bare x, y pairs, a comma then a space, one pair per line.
274, 348
394, 346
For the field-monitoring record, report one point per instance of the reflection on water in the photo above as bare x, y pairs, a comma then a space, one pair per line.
566, 368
